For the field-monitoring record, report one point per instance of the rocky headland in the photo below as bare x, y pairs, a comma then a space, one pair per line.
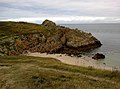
17, 38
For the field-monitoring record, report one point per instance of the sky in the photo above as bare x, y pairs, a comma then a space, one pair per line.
61, 11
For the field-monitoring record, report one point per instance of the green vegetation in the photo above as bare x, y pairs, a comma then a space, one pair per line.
13, 28
22, 72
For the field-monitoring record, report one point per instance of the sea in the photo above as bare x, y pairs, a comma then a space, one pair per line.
109, 35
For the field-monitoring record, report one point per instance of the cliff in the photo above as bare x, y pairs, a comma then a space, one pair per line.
19, 37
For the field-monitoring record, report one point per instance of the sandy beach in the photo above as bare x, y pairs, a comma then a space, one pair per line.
83, 61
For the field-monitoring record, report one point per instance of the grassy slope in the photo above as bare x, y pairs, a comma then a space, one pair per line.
9, 28
23, 72
12, 28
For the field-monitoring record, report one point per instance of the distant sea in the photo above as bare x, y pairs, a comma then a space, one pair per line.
109, 35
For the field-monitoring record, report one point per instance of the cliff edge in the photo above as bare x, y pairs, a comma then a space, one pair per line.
17, 38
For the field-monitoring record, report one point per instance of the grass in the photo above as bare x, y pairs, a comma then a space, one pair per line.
15, 28
9, 28
22, 72
55, 64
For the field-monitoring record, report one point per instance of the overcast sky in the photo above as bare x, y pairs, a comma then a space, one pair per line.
61, 11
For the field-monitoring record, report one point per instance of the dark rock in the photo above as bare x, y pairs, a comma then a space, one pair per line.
104, 63
60, 55
98, 42
79, 55
98, 56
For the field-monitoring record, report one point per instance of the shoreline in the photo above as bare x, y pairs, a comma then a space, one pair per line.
83, 61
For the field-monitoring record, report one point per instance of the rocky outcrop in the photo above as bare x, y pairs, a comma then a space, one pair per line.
98, 56
51, 39
49, 24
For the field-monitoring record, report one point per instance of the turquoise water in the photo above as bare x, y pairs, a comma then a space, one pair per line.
109, 35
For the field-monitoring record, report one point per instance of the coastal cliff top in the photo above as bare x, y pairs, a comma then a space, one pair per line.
11, 28
16, 37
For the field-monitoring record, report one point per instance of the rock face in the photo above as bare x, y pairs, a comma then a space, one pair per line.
47, 37
98, 56
49, 24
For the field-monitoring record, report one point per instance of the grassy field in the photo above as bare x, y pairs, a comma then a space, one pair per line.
22, 72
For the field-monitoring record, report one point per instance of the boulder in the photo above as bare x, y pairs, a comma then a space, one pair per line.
98, 56
49, 24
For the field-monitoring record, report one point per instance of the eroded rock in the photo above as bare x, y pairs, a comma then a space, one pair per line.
98, 56
54, 39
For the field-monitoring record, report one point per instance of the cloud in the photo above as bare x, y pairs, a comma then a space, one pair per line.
84, 10
68, 19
